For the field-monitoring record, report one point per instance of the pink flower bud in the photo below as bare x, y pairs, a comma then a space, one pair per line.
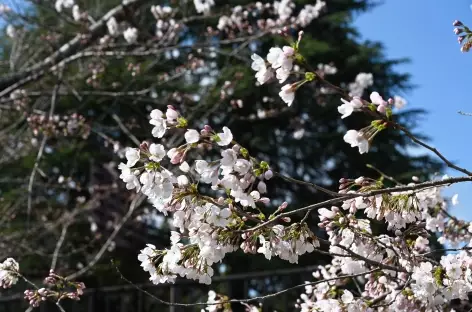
382, 109
457, 23
264, 200
177, 158
262, 187
286, 219
144, 146
460, 39
208, 128
457, 31
359, 180
268, 174
283, 206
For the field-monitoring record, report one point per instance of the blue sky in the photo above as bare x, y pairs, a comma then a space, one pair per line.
422, 31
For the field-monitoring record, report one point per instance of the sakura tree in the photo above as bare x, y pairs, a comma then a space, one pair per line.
215, 191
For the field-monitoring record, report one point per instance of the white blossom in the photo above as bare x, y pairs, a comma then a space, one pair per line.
112, 27
8, 272
131, 35
192, 136
354, 138
287, 94
225, 137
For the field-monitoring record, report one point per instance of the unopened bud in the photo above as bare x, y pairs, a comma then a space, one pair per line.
458, 31
300, 35
283, 206
359, 180
264, 200
382, 108
144, 146
236, 148
286, 219
262, 187
207, 128
457, 23
268, 174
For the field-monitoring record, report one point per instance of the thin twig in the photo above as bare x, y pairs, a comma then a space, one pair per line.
60, 307
317, 187
59, 245
465, 114
136, 202
383, 175
125, 130
434, 150
242, 300
32, 176
41, 151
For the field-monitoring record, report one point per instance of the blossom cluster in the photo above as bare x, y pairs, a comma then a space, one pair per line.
57, 288
215, 206
9, 272
464, 35
409, 281
268, 17
57, 125
209, 226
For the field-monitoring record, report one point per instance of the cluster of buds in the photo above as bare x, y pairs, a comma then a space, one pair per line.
134, 69
166, 25
464, 34
9, 273
51, 37
72, 125
20, 99
58, 288
96, 70
346, 185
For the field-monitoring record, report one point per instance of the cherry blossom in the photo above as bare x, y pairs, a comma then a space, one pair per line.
347, 108
287, 94
356, 139
8, 272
